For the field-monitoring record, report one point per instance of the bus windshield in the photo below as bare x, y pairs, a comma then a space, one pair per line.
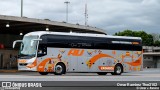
26, 48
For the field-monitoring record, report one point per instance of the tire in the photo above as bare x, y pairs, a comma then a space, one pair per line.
101, 73
59, 69
117, 70
43, 73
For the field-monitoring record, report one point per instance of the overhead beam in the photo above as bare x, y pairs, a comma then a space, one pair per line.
48, 22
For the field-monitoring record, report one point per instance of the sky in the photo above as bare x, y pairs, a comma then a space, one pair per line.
110, 15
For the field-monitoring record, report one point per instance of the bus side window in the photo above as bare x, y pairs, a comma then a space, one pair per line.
42, 50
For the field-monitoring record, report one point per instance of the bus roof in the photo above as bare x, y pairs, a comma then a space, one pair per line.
40, 33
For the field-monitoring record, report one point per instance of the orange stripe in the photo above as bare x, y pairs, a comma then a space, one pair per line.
33, 64
114, 52
135, 42
22, 61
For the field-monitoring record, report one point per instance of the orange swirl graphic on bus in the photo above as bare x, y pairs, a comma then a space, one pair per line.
135, 63
41, 66
97, 57
49, 63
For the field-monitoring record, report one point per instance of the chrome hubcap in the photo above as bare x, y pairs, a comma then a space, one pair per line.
58, 69
118, 69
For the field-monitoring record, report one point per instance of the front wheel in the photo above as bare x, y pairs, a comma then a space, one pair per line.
117, 70
59, 69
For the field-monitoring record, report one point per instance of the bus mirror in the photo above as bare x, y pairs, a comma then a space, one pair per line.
14, 43
33, 40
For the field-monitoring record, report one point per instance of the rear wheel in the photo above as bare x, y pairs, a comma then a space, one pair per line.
59, 69
43, 73
101, 73
117, 70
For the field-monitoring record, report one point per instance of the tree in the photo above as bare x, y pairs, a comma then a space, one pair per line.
157, 43
147, 39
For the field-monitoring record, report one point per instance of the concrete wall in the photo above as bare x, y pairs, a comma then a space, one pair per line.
5, 59
158, 63
5, 53
151, 61
148, 62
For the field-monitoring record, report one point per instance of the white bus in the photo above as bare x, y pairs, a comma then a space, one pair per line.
59, 52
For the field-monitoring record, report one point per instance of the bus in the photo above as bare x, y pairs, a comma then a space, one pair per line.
60, 52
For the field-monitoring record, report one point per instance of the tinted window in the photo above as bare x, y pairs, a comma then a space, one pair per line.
65, 41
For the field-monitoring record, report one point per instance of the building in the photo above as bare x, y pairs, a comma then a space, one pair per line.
151, 57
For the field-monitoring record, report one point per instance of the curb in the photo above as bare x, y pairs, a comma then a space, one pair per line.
8, 71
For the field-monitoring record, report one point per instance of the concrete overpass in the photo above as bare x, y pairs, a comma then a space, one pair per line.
24, 25
151, 53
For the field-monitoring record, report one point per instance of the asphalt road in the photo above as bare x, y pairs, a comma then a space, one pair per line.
145, 75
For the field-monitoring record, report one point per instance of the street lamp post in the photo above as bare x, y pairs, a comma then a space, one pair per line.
21, 8
86, 13
66, 2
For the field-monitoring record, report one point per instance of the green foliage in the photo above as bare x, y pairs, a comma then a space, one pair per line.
157, 43
147, 39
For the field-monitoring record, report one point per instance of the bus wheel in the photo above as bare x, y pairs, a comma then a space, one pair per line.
43, 73
117, 70
59, 69
101, 73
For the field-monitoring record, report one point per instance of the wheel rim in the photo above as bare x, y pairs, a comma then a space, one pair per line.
58, 69
118, 71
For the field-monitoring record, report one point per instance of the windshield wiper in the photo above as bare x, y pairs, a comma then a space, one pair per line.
23, 55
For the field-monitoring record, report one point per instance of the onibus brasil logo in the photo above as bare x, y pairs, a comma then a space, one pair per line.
17, 86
